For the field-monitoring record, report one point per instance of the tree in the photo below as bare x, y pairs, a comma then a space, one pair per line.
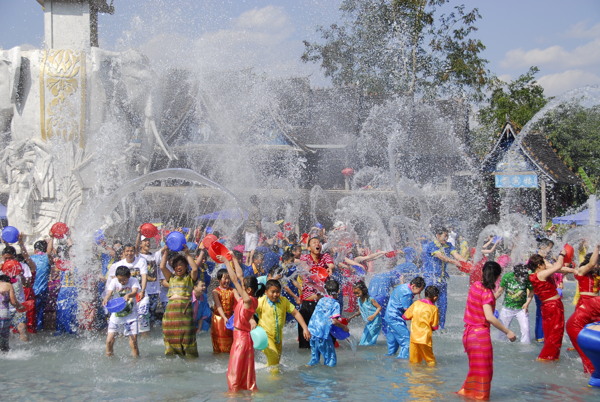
406, 47
573, 131
518, 100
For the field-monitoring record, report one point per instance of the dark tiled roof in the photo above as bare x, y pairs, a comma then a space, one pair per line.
536, 146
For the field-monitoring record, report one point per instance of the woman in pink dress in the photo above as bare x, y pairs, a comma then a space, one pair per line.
479, 314
240, 372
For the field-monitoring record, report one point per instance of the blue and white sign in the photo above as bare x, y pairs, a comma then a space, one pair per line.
516, 181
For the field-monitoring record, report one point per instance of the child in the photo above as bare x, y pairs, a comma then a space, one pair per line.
519, 294
552, 309
371, 314
202, 313
398, 336
271, 311
424, 319
125, 321
7, 295
179, 333
320, 326
224, 298
240, 371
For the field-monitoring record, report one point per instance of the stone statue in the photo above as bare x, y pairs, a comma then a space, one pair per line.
54, 108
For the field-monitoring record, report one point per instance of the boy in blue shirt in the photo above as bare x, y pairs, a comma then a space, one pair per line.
320, 324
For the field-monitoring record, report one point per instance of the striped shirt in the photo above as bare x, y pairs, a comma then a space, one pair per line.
478, 296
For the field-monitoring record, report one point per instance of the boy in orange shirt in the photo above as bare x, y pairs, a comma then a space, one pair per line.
424, 318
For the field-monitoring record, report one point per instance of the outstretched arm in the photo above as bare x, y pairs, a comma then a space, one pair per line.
163, 264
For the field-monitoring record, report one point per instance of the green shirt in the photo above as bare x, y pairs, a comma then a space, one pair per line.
515, 293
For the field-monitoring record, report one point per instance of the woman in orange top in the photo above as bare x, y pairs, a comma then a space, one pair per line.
224, 298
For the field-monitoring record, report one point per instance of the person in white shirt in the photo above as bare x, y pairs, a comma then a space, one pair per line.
125, 321
148, 305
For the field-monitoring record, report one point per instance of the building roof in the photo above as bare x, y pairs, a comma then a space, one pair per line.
533, 150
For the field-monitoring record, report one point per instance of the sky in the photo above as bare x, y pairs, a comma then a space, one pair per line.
561, 38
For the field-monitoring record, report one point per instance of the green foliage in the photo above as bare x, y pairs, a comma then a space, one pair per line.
574, 132
406, 47
518, 100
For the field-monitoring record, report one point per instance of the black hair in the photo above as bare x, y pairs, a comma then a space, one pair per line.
4, 278
9, 250
122, 270
177, 259
440, 230
256, 255
272, 283
521, 273
254, 199
249, 282
363, 288
293, 237
128, 245
258, 289
431, 292
586, 259
491, 271
535, 261
312, 238
221, 273
237, 254
41, 245
332, 286
418, 282
287, 256
544, 242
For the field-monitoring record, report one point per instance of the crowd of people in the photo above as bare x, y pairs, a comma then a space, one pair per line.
313, 280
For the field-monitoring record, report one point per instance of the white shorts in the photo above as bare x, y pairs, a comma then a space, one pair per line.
251, 241
144, 315
126, 328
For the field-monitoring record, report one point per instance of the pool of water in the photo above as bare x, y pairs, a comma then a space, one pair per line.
74, 368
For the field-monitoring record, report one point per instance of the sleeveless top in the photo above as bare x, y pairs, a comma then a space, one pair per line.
242, 316
543, 289
587, 282
367, 308
227, 300
181, 287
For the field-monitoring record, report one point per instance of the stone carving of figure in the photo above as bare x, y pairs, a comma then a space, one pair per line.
28, 175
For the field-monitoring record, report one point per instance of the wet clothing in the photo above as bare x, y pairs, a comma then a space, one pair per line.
179, 332
380, 287
272, 319
553, 317
435, 273
222, 337
478, 343
241, 374
398, 336
587, 312
320, 328
372, 328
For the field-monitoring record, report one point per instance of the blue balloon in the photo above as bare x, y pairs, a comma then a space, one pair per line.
10, 234
99, 236
175, 241
229, 323
338, 333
